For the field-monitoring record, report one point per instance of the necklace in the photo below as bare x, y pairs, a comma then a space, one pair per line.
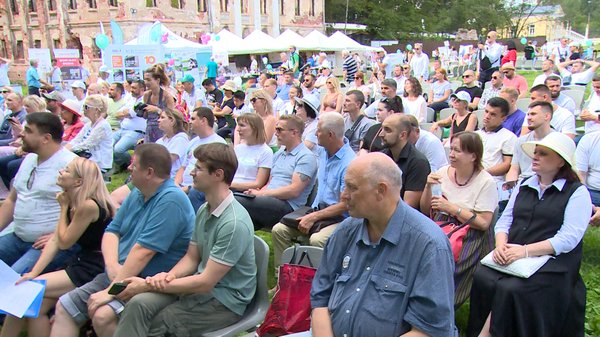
466, 182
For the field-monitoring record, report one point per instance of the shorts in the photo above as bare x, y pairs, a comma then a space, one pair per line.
75, 302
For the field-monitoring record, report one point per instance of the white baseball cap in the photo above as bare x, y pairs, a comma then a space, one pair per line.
462, 96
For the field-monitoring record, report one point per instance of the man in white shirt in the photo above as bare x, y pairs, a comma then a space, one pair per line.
78, 89
420, 63
493, 50
591, 115
325, 74
388, 90
202, 121
133, 127
538, 120
561, 52
498, 142
31, 207
428, 144
547, 70
562, 120
193, 97
578, 74
400, 79
271, 88
554, 83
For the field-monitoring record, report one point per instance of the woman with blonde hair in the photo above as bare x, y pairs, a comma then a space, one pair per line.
333, 99
95, 140
254, 156
33, 103
263, 106
85, 211
157, 99
175, 138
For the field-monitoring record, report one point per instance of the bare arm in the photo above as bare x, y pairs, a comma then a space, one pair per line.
513, 173
198, 283
444, 98
501, 168
261, 180
413, 198
414, 332
293, 190
321, 323
473, 105
339, 103
67, 234
7, 209
472, 123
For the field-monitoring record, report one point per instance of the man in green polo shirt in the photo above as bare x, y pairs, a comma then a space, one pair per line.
212, 284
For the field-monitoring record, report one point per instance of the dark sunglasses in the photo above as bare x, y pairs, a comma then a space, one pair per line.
495, 77
405, 68
4, 91
466, 76
31, 178
252, 100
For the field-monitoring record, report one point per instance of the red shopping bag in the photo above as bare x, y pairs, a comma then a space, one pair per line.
456, 232
290, 309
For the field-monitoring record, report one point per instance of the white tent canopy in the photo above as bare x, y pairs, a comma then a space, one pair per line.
174, 41
342, 41
259, 42
315, 40
291, 38
228, 42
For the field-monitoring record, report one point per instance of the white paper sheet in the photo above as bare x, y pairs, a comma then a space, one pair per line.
16, 299
300, 334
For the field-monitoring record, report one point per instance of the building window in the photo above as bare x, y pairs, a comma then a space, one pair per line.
150, 3
531, 30
19, 53
281, 7
72, 4
201, 5
51, 5
312, 8
32, 6
92, 3
263, 6
297, 10
56, 43
245, 6
113, 3
14, 7
37, 44
224, 6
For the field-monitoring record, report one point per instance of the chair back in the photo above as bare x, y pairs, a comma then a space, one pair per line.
312, 255
257, 308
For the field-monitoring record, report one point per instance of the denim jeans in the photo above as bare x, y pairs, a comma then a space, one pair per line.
595, 197
197, 198
21, 256
123, 141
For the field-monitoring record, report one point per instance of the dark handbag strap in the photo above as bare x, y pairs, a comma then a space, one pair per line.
352, 130
466, 223
302, 256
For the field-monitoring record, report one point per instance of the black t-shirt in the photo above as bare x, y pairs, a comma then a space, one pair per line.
228, 103
214, 96
529, 50
371, 141
474, 91
415, 168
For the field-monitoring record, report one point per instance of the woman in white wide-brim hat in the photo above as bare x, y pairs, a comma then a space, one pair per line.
546, 215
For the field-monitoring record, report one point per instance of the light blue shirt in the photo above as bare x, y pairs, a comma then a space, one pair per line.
284, 92
33, 78
384, 288
4, 80
164, 224
331, 172
576, 219
299, 160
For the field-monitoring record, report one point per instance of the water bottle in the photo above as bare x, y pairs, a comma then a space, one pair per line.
436, 190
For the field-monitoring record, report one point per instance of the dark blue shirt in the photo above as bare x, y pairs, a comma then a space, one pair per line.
514, 122
384, 288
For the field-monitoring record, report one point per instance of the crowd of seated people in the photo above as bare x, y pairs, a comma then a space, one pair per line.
369, 193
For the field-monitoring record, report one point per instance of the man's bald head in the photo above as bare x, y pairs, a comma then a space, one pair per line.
378, 168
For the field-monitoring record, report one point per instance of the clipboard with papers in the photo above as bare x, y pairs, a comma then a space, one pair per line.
22, 300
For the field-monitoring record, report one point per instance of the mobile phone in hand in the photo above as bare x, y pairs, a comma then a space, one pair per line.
117, 288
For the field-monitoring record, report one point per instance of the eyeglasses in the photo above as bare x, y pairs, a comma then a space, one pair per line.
254, 99
31, 178
466, 76
495, 77
85, 107
489, 36
405, 68
505, 72
357, 78
4, 92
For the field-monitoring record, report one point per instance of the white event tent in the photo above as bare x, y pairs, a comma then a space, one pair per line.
342, 41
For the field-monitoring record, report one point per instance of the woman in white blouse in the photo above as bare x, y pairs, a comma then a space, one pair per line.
175, 139
413, 101
95, 140
255, 157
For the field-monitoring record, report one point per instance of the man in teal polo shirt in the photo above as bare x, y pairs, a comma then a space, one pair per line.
211, 70
34, 83
213, 283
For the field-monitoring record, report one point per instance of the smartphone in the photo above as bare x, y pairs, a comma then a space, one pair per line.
117, 288
244, 195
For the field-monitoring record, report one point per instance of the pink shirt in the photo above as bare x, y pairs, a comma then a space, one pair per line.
518, 82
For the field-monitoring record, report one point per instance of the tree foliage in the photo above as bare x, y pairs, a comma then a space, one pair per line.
393, 19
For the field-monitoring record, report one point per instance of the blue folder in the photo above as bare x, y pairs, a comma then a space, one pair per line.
34, 309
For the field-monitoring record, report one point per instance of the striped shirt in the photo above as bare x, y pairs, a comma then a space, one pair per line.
350, 67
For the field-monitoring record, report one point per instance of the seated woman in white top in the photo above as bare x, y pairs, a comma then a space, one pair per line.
290, 106
95, 140
255, 157
413, 101
307, 109
175, 139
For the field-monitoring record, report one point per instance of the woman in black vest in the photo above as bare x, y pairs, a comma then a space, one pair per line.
547, 215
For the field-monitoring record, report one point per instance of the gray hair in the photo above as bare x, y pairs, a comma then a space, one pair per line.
383, 168
333, 122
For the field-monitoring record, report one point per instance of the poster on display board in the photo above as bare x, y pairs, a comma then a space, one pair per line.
42, 55
68, 62
185, 61
130, 62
